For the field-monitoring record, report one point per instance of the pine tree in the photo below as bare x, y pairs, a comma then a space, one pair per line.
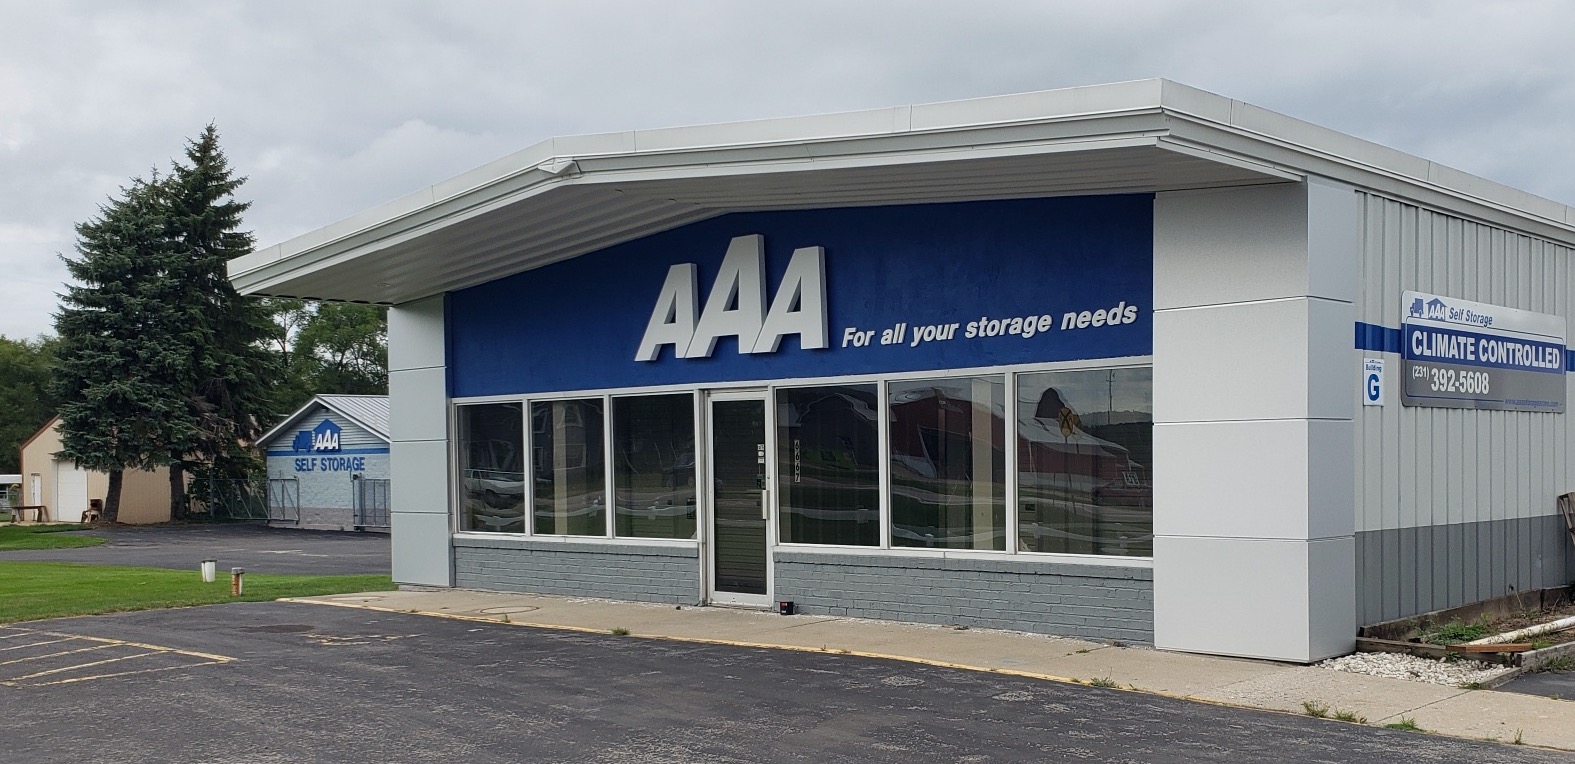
121, 348
230, 373
162, 363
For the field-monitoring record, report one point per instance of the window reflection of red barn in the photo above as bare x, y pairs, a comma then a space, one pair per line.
1052, 441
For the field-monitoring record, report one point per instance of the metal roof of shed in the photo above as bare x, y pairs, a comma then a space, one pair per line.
370, 412
568, 196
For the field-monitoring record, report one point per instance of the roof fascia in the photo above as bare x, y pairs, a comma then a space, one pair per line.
1407, 178
49, 425
300, 413
410, 218
1158, 112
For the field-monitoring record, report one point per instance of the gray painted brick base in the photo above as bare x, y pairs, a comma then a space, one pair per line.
1089, 601
626, 572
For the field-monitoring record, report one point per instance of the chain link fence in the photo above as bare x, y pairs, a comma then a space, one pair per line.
230, 500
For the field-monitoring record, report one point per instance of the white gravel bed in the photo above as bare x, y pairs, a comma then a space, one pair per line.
1416, 669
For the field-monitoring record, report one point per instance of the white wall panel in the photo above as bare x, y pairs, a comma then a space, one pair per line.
1251, 361
1303, 589
420, 475
1209, 235
416, 335
1267, 479
421, 551
418, 404
1333, 240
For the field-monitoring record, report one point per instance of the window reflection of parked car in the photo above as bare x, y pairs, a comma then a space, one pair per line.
497, 488
1132, 489
494, 486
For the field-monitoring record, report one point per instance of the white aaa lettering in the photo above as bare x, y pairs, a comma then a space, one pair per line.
736, 305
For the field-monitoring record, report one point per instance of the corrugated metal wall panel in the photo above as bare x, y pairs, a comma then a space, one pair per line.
351, 435
1451, 504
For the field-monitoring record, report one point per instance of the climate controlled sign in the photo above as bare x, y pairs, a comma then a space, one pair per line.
1462, 354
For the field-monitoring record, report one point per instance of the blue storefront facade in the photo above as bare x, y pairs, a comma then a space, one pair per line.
773, 402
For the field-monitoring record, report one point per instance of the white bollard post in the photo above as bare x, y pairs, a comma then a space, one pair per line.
210, 571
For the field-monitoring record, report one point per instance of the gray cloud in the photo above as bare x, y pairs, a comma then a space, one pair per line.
330, 108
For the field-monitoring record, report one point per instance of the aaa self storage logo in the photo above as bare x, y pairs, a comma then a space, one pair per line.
324, 438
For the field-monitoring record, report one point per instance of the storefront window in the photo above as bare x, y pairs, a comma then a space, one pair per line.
568, 467
491, 468
828, 465
948, 463
654, 466
1084, 460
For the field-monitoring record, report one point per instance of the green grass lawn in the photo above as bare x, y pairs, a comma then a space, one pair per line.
33, 590
43, 537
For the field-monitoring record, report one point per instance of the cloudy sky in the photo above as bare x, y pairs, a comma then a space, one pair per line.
331, 107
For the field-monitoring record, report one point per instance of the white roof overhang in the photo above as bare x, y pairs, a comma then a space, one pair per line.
569, 196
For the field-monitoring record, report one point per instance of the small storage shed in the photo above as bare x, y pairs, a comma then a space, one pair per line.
65, 490
328, 465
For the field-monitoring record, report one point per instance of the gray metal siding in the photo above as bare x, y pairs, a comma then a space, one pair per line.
1090, 601
1474, 491
1436, 567
351, 435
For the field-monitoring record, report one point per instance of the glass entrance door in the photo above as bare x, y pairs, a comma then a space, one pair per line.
740, 500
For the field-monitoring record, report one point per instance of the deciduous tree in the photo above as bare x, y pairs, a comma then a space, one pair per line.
25, 402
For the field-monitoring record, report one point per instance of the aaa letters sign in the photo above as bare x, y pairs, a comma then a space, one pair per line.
736, 306
1463, 354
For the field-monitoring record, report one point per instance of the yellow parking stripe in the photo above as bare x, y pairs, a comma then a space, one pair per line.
80, 666
94, 644
35, 644
52, 655
75, 679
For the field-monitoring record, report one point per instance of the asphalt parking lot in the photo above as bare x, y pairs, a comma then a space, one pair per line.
290, 682
1549, 684
256, 548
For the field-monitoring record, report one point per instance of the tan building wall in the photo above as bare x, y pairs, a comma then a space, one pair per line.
144, 496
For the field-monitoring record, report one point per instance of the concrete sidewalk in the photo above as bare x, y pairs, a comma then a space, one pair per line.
1477, 714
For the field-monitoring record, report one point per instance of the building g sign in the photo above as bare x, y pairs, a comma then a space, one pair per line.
736, 306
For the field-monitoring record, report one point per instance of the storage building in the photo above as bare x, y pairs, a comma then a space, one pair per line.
328, 465
1132, 361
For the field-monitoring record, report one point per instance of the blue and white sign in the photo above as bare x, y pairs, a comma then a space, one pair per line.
324, 438
815, 293
1372, 381
1463, 354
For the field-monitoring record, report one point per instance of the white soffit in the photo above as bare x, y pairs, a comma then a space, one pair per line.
569, 196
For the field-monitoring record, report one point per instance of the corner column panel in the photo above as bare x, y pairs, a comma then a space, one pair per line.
1254, 477
419, 451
